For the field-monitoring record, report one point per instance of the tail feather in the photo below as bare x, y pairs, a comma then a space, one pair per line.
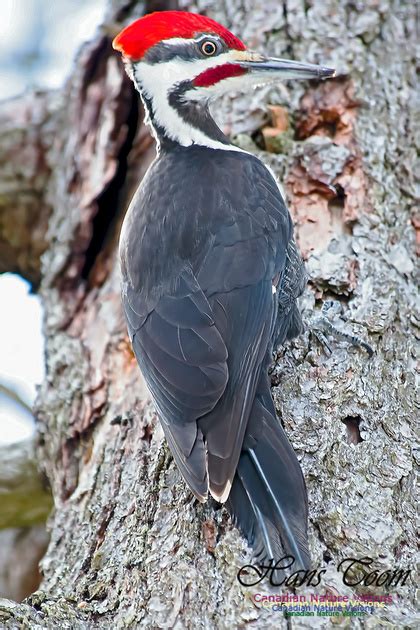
268, 500
244, 518
261, 534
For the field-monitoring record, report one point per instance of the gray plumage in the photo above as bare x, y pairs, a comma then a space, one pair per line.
206, 237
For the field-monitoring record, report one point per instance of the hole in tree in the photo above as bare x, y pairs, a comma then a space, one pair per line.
107, 202
340, 197
258, 139
326, 123
353, 429
336, 208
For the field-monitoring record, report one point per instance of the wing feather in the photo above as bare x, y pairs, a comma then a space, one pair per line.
183, 359
201, 318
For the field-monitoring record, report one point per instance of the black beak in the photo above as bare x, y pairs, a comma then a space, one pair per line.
285, 68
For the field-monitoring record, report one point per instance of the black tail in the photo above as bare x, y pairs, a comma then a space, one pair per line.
268, 500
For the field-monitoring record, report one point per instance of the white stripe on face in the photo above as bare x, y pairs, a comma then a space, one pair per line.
156, 81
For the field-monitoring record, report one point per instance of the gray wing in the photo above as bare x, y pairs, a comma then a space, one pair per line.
247, 335
201, 343
291, 285
183, 359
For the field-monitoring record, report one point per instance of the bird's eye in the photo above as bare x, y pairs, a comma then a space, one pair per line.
208, 48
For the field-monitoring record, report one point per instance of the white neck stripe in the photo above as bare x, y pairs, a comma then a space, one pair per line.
156, 81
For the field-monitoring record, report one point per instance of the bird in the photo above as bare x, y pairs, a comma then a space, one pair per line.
210, 277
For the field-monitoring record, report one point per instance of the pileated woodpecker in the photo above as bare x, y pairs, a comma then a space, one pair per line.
210, 278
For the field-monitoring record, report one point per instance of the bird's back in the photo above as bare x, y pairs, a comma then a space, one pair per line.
210, 280
192, 203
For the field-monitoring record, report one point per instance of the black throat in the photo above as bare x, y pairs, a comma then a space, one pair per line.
193, 113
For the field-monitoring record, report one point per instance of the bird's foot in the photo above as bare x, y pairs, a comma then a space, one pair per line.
325, 325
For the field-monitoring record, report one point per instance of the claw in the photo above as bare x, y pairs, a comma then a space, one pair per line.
323, 341
331, 309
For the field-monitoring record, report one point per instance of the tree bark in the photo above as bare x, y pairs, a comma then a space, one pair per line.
28, 126
130, 547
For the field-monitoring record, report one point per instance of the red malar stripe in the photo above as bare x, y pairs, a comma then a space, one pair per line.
214, 75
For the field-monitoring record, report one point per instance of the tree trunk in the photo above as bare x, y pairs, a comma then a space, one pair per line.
130, 547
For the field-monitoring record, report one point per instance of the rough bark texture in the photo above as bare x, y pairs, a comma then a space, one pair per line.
27, 130
129, 545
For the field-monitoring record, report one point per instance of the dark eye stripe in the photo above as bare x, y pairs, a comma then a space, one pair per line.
162, 52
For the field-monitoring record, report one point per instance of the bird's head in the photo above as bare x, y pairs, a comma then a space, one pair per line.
181, 60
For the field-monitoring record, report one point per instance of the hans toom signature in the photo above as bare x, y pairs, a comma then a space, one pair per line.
355, 572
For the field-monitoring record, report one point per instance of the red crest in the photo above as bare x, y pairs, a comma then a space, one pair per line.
136, 39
